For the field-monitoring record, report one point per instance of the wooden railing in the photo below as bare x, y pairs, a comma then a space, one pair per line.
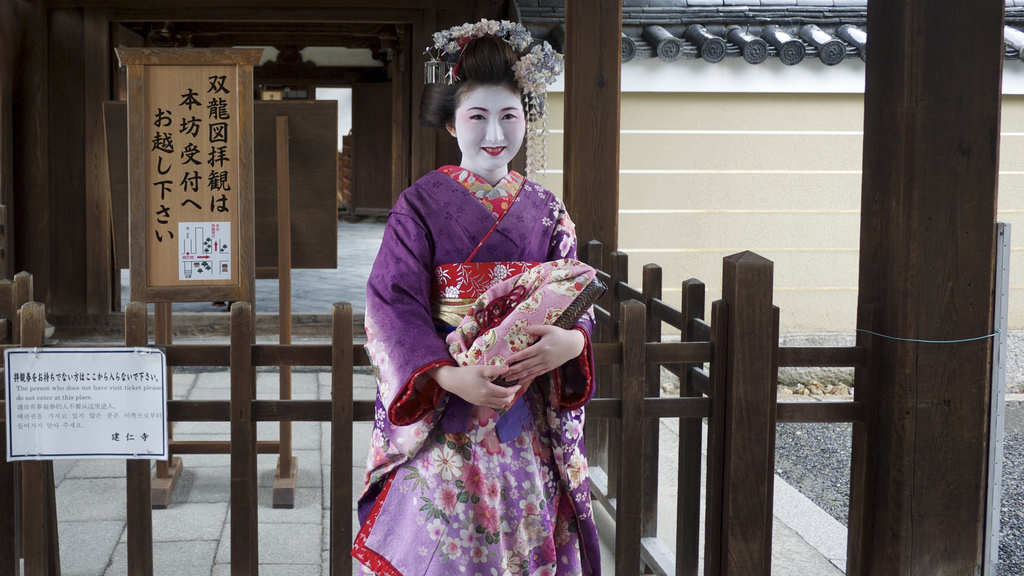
737, 393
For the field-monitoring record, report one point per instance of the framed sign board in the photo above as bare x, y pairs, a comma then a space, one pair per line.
190, 173
313, 161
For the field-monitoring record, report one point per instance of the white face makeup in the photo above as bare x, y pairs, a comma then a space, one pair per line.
490, 127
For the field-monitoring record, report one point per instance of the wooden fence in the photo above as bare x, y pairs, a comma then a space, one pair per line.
736, 394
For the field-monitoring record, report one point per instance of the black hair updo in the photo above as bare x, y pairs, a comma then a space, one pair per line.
484, 61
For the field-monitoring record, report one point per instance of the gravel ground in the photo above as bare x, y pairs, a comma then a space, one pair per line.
815, 459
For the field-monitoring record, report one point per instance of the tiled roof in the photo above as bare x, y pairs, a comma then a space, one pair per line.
791, 30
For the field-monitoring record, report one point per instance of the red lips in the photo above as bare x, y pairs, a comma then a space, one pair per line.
494, 151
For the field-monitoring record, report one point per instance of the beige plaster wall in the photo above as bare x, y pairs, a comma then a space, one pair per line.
703, 176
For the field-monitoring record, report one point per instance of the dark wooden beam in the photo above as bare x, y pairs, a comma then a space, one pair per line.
591, 161
253, 6
928, 214
315, 75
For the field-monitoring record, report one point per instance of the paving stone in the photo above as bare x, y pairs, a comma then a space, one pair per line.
91, 499
309, 468
280, 544
86, 547
202, 437
219, 379
361, 433
793, 556
210, 393
192, 521
61, 469
170, 558
206, 460
290, 569
364, 387
308, 508
268, 384
203, 485
200, 428
182, 384
90, 468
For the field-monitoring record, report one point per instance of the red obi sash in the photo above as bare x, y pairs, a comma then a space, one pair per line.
471, 279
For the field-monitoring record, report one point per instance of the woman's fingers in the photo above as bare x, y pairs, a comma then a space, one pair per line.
523, 369
500, 397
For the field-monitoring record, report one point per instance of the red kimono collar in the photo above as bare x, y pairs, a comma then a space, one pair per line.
496, 199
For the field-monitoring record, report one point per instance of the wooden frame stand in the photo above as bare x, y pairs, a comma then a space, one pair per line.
287, 465
163, 482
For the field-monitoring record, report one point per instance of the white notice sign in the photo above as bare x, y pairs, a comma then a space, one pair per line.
86, 403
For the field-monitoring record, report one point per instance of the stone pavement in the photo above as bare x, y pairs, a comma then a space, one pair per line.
192, 536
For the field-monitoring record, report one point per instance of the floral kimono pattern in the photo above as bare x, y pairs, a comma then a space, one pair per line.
504, 494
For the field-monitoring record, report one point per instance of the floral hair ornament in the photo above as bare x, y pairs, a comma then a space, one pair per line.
535, 70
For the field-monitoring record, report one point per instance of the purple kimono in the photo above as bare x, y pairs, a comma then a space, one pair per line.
453, 488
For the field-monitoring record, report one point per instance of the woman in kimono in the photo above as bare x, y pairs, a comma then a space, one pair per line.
467, 474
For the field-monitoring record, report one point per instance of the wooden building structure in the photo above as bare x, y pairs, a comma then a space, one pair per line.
928, 209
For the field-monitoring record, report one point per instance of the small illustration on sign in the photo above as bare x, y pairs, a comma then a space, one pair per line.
201, 243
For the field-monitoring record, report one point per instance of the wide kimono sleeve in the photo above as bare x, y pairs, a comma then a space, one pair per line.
576, 376
401, 339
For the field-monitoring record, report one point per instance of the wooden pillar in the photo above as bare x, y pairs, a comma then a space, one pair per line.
400, 113
98, 228
593, 65
62, 217
931, 131
31, 166
67, 65
9, 34
423, 141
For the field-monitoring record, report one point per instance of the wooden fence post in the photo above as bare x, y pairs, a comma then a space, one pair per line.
140, 507
287, 465
749, 459
619, 275
244, 514
628, 512
341, 440
861, 525
22, 294
716, 440
652, 388
8, 503
597, 430
39, 507
10, 477
7, 310
688, 504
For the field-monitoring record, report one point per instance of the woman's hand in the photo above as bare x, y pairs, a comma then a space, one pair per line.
473, 384
555, 347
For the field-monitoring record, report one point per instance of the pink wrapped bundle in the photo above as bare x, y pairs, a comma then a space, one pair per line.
556, 292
